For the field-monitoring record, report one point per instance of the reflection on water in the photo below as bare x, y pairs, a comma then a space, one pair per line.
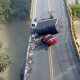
15, 40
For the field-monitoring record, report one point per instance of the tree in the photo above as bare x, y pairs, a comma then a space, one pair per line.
4, 61
4, 9
18, 9
14, 9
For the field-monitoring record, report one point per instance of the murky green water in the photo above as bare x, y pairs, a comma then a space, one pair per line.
15, 41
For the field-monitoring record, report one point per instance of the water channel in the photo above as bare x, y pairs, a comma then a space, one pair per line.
15, 41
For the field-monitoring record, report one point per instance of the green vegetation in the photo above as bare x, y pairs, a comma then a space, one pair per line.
14, 9
75, 10
4, 60
4, 9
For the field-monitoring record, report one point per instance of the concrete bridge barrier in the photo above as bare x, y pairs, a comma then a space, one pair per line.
73, 29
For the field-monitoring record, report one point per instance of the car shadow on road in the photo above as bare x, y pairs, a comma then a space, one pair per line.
40, 46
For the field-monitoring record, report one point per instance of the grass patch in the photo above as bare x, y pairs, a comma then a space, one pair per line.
75, 10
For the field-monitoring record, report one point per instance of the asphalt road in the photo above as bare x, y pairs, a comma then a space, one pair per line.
64, 64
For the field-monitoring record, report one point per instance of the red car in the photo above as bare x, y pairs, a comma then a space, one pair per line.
48, 40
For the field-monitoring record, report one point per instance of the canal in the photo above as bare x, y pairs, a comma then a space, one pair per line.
15, 41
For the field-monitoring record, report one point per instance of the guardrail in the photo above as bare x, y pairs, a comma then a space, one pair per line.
29, 60
73, 29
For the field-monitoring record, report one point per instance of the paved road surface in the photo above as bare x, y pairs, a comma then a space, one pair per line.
63, 54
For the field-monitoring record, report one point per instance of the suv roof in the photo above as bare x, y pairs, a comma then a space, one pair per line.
48, 22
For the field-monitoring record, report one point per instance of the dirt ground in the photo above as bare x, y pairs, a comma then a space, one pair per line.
77, 27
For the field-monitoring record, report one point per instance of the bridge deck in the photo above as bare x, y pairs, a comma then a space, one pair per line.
65, 63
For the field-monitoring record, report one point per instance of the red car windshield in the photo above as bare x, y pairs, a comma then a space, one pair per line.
49, 37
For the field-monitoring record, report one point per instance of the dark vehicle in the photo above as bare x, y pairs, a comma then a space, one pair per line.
46, 26
48, 40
